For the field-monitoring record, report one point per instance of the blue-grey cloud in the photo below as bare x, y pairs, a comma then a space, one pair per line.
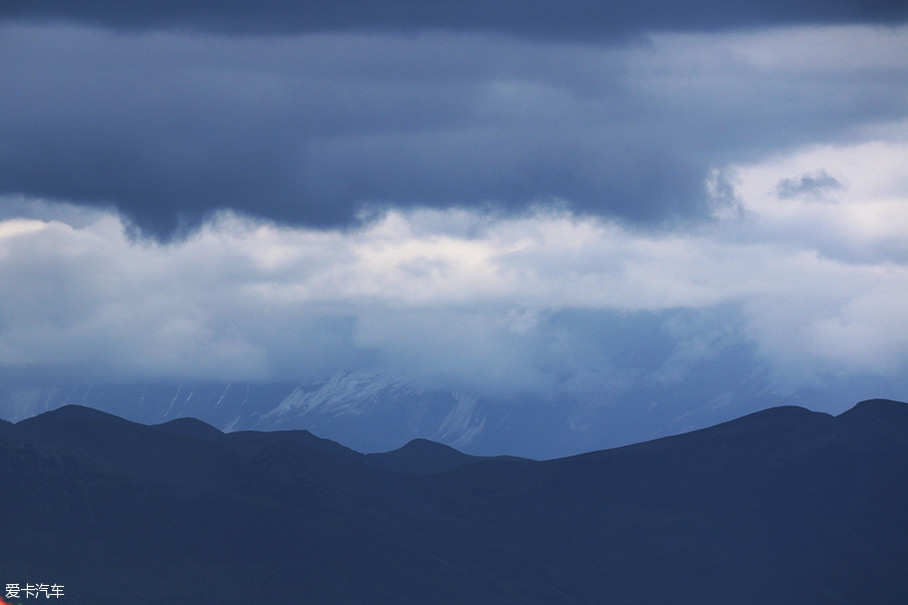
817, 184
311, 129
583, 19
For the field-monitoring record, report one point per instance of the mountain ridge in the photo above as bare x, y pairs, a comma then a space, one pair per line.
782, 506
375, 412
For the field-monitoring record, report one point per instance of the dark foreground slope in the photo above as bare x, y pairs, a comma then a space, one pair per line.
783, 506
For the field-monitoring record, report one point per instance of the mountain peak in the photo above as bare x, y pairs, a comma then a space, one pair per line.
190, 427
882, 416
76, 413
420, 456
878, 409
880, 404
427, 446
769, 419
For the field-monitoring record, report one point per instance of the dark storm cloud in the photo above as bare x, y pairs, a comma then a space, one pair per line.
169, 127
568, 19
815, 185
307, 129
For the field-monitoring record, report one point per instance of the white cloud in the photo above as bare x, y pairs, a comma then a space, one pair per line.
462, 296
839, 258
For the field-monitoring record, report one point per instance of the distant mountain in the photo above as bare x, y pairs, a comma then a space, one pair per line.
424, 456
781, 506
349, 406
374, 412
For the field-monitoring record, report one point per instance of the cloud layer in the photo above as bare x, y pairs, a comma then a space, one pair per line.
573, 18
169, 126
811, 271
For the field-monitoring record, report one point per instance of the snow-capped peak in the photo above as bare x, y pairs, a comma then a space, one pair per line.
344, 392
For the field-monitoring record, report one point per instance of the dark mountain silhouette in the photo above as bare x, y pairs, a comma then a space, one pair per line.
190, 427
424, 456
420, 456
781, 506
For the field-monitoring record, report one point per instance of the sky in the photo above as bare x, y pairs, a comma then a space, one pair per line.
499, 197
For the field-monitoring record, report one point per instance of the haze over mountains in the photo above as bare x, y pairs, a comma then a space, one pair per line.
373, 411
781, 506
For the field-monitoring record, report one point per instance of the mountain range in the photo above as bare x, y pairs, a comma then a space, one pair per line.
375, 412
784, 505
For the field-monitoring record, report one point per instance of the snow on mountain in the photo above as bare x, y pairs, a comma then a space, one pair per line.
344, 393
374, 412
463, 423
25, 402
367, 411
